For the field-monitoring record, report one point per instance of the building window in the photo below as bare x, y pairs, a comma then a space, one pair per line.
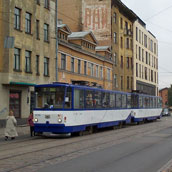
128, 62
92, 69
136, 69
46, 4
37, 29
63, 61
121, 61
139, 53
115, 59
121, 22
37, 64
128, 82
136, 51
46, 66
72, 64
136, 34
16, 59
114, 17
28, 23
127, 43
46, 32
17, 18
145, 41
121, 82
143, 55
121, 42
115, 81
131, 83
108, 74
140, 70
38, 2
101, 72
28, 61
152, 75
85, 68
146, 73
79, 66
146, 57
97, 71
115, 37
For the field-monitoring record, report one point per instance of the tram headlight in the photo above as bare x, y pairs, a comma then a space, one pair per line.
59, 120
36, 120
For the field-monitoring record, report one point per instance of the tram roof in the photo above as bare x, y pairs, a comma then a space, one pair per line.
86, 87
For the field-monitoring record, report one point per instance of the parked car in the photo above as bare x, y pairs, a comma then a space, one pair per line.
165, 112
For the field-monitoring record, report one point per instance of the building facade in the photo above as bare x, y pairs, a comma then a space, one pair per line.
145, 50
26, 59
80, 59
122, 46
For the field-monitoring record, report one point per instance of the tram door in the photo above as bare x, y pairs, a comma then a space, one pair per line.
15, 103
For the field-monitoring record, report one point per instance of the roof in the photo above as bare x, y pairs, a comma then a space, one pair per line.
99, 48
60, 26
81, 35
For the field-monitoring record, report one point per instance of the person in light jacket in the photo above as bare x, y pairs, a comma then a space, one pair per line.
10, 129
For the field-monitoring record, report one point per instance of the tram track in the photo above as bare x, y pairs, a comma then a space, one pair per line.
50, 139
82, 150
150, 129
81, 139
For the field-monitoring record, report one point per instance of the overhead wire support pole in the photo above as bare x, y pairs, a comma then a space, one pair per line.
56, 31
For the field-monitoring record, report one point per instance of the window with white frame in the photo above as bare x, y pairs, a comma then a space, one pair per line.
115, 81
79, 66
72, 64
28, 23
92, 69
101, 72
16, 59
46, 32
97, 71
17, 18
115, 37
27, 61
46, 66
63, 61
85, 68
115, 59
108, 74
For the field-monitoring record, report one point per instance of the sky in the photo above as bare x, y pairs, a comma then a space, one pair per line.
157, 14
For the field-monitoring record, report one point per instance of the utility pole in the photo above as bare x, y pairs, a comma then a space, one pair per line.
56, 31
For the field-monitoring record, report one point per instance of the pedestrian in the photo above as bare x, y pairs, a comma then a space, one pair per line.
10, 129
31, 124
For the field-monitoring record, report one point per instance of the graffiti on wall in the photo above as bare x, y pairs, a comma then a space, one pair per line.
3, 111
97, 18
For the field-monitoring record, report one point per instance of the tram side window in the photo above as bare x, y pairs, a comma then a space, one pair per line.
147, 102
59, 97
140, 101
134, 101
159, 102
151, 102
97, 100
89, 94
78, 99
124, 101
106, 100
128, 101
112, 100
118, 100
68, 98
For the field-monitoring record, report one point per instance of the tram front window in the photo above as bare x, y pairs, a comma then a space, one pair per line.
51, 98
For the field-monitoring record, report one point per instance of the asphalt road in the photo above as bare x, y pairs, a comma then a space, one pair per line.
146, 154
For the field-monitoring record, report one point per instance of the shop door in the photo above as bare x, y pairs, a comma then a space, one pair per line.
15, 103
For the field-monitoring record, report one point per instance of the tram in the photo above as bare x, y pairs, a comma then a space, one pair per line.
65, 108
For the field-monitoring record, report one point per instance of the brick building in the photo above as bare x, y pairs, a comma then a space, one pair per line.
164, 94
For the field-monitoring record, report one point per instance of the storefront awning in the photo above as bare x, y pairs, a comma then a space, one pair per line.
22, 83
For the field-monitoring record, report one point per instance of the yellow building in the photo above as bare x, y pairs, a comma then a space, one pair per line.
80, 59
26, 62
122, 46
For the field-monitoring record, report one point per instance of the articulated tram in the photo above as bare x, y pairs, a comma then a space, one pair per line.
66, 108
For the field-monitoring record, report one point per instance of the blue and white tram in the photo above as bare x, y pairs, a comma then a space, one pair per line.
65, 108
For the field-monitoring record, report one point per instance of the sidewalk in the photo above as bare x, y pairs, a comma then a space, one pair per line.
21, 129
